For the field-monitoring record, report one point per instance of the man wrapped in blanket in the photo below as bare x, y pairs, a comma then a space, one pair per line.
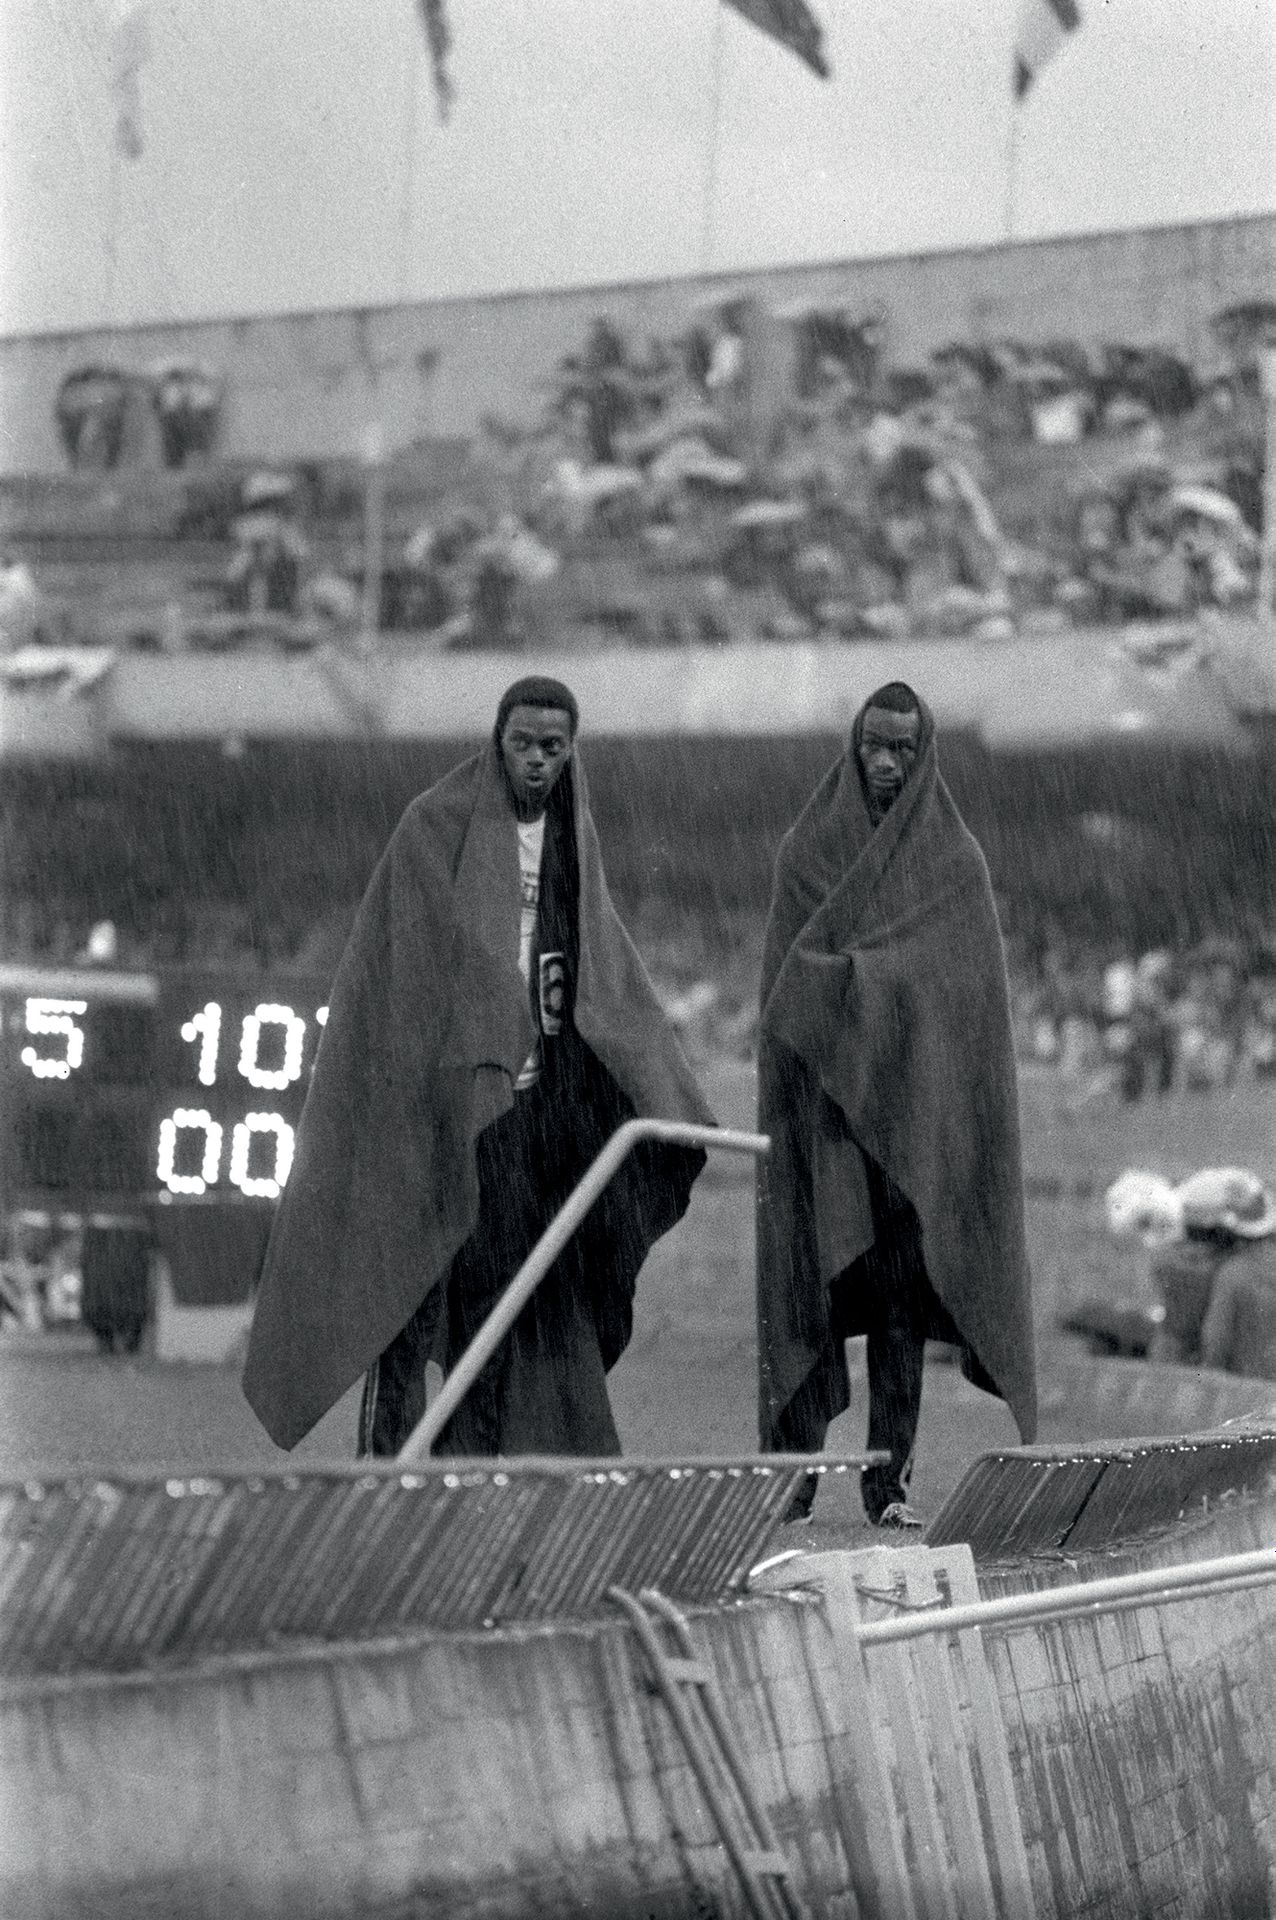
491, 1026
891, 1203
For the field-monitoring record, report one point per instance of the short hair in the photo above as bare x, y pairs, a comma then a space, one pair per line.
537, 690
894, 697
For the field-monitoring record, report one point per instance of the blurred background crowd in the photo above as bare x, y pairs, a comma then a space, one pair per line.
1168, 1022
1163, 1022
1000, 488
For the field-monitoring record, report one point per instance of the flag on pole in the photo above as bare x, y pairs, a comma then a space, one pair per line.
792, 23
130, 28
1040, 31
438, 38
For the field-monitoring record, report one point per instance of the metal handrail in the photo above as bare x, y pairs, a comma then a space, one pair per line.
1194, 1581
677, 1133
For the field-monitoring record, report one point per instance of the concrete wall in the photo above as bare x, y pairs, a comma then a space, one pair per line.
307, 385
503, 1775
532, 1771
1144, 1743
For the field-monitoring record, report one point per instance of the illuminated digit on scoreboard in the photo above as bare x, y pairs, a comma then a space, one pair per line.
261, 1186
206, 1027
55, 1017
193, 1120
250, 1039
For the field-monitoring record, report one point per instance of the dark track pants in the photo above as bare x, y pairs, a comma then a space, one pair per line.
887, 1295
544, 1390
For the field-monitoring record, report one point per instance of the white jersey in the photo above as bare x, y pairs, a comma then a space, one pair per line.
531, 843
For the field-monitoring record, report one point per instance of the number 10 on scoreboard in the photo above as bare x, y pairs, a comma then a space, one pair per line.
205, 1027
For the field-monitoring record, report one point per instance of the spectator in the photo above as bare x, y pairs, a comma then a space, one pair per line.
21, 605
1212, 1289
1261, 1035
419, 597
91, 412
270, 553
1213, 1016
1214, 544
1148, 1058
1239, 1334
187, 401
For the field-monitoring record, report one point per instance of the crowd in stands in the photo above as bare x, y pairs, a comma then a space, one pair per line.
1117, 1029
666, 497
1169, 1021
1154, 1024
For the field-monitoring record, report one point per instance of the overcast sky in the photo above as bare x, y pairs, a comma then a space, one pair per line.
293, 157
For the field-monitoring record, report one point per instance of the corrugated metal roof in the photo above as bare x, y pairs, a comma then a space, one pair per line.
116, 1572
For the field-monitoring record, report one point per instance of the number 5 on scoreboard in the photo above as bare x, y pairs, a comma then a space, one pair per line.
55, 1019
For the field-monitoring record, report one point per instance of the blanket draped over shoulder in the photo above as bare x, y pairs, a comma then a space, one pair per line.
428, 1027
886, 1033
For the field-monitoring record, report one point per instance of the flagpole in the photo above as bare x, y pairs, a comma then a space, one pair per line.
113, 197
1012, 173
411, 120
1267, 551
711, 160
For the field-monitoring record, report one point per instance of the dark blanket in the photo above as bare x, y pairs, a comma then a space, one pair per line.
886, 1038
429, 1025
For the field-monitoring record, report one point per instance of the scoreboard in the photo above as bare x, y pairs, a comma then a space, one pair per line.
176, 1085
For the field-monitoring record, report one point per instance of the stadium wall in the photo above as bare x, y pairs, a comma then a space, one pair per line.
521, 1769
1146, 846
308, 385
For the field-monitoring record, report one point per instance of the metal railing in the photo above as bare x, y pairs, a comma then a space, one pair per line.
676, 1133
1117, 1594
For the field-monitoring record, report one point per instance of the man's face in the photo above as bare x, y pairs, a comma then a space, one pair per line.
536, 744
888, 749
